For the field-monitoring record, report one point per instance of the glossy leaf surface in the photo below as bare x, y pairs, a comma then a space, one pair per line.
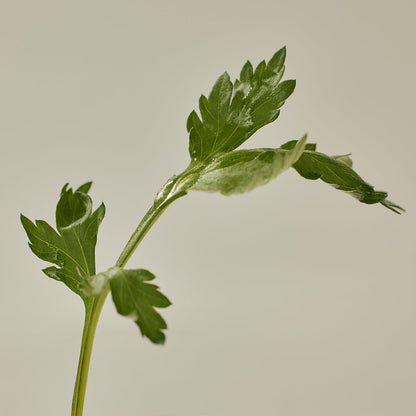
72, 248
233, 112
337, 171
243, 170
133, 296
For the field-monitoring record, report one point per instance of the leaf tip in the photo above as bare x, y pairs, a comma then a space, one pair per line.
25, 222
393, 207
189, 121
64, 188
281, 53
160, 339
102, 207
84, 188
100, 212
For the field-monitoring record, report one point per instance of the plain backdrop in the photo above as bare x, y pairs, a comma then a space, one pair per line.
292, 300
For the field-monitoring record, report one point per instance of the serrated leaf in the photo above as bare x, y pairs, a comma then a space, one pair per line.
243, 170
72, 248
134, 297
234, 112
337, 171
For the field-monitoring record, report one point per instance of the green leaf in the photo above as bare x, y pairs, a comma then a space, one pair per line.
72, 248
136, 298
337, 171
234, 112
243, 170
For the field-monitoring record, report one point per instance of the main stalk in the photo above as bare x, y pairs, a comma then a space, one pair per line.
93, 306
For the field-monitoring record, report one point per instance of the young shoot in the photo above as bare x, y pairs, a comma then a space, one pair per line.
228, 117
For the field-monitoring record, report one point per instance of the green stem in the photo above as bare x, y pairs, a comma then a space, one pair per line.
145, 224
94, 306
92, 313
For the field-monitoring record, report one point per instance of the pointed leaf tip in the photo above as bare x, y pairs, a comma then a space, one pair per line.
84, 188
277, 61
393, 207
64, 188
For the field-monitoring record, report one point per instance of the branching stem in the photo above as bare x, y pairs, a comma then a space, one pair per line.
94, 306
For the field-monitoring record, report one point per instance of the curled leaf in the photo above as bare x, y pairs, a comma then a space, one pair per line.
243, 170
337, 171
72, 248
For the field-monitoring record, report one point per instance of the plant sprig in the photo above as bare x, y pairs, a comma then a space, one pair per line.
229, 116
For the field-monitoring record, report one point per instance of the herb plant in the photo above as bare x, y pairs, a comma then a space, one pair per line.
230, 114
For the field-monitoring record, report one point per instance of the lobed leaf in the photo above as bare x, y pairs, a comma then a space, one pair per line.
72, 248
134, 297
337, 171
234, 112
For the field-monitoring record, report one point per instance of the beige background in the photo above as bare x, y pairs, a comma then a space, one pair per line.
293, 300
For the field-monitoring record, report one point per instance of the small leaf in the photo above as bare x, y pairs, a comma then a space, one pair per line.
337, 171
243, 170
73, 248
134, 297
232, 113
